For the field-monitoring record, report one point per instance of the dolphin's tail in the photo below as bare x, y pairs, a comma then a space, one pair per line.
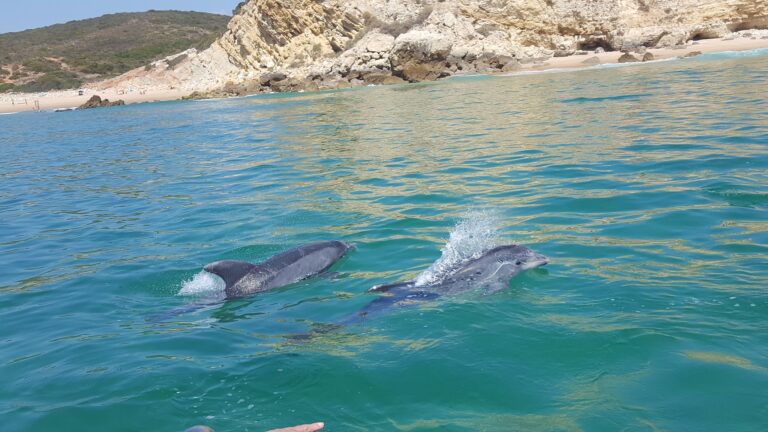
396, 295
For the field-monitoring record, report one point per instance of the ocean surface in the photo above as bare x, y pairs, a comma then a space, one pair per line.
646, 185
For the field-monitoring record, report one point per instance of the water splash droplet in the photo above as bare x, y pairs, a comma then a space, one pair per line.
202, 284
474, 234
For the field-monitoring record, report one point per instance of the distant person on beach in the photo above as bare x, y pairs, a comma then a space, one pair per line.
301, 428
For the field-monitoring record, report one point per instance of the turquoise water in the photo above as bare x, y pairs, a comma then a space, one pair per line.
647, 186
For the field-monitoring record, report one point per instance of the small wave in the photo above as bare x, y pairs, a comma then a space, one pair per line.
734, 54
606, 98
474, 234
739, 198
203, 284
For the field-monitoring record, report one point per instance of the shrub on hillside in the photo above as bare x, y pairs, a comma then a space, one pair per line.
57, 80
41, 65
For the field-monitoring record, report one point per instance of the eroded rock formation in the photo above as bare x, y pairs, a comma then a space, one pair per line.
97, 102
313, 44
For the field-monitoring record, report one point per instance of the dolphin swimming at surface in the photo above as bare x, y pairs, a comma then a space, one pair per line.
491, 271
243, 278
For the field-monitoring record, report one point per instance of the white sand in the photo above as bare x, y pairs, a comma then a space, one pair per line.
19, 102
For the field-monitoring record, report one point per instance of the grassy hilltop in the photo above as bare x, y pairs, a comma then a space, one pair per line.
64, 56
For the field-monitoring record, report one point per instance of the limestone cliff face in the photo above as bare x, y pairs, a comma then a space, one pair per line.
265, 34
296, 44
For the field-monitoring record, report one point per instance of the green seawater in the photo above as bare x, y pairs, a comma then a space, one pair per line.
647, 186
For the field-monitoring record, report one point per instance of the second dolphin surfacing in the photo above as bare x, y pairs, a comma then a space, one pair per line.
491, 272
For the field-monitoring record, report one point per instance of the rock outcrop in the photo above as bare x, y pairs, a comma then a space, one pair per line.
310, 44
97, 102
628, 58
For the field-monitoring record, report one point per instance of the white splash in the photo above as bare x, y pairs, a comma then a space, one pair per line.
202, 284
474, 234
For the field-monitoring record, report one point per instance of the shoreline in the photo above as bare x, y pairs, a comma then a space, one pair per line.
63, 99
705, 46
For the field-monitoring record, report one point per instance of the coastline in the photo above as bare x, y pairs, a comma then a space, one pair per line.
62, 99
705, 46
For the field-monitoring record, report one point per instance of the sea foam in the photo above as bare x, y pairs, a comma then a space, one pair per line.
203, 284
474, 234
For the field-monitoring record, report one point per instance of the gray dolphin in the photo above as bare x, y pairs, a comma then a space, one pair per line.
243, 278
491, 271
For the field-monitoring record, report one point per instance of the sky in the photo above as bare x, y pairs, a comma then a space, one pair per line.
20, 15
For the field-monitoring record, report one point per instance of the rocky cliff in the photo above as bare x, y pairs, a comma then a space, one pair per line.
307, 44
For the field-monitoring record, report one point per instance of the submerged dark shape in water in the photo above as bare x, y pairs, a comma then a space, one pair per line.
243, 278
492, 271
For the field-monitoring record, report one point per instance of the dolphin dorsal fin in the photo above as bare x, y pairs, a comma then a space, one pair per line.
229, 270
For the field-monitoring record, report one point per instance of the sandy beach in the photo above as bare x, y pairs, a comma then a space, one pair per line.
52, 100
60, 99
703, 46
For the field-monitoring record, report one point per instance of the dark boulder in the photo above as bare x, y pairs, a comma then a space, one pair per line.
97, 102
271, 78
628, 58
594, 60
692, 54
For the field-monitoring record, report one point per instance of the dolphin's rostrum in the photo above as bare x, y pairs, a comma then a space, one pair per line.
243, 278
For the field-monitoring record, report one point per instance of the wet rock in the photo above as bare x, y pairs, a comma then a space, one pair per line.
628, 58
595, 60
420, 56
382, 78
416, 72
511, 66
293, 85
97, 102
647, 57
238, 89
196, 95
271, 78
692, 54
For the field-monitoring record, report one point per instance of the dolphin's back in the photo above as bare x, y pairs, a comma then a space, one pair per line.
288, 267
302, 262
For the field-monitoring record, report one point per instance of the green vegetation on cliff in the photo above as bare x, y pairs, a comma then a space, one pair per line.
66, 55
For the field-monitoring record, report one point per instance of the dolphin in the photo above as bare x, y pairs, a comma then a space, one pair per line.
243, 278
491, 271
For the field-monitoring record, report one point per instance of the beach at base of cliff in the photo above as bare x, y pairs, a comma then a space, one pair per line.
64, 99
